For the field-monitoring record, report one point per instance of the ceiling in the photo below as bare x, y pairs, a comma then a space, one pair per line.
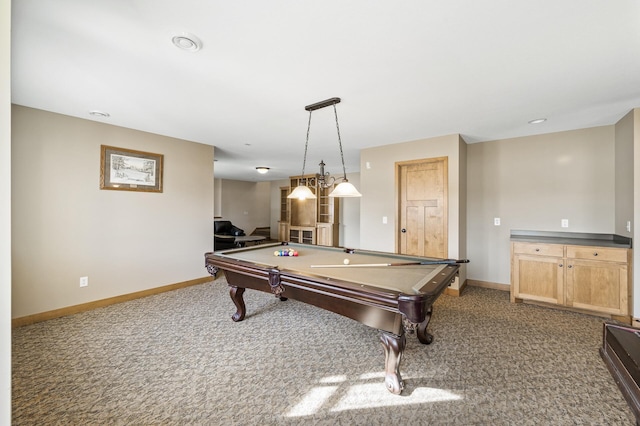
405, 70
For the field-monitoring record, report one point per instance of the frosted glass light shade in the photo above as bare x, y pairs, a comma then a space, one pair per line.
345, 189
301, 192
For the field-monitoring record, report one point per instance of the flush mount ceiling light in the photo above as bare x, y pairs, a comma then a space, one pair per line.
97, 113
538, 121
262, 170
324, 180
188, 42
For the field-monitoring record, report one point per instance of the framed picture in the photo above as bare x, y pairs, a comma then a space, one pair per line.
128, 170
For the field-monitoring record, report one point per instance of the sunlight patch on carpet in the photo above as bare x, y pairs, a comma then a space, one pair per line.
312, 402
365, 395
373, 395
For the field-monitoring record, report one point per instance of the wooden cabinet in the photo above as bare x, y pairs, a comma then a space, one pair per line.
598, 279
590, 278
284, 204
537, 272
311, 221
302, 234
283, 223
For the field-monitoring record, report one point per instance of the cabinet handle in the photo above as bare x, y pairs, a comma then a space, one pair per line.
570, 266
537, 249
560, 265
595, 254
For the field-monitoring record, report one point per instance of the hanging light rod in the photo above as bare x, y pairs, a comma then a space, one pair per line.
324, 180
322, 104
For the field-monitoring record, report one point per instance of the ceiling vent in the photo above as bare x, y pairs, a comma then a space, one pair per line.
188, 42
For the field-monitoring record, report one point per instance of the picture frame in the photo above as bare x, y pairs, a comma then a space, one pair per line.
124, 169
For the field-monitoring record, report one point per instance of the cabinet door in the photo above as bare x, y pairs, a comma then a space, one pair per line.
308, 236
326, 207
284, 204
538, 278
324, 237
598, 286
283, 231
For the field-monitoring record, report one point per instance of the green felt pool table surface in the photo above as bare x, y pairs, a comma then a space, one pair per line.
311, 260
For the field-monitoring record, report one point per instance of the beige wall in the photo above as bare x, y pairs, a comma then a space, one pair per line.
627, 182
65, 227
532, 183
5, 212
529, 183
246, 204
624, 174
462, 221
636, 212
217, 193
378, 188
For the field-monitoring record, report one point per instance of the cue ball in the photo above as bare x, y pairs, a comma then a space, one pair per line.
346, 261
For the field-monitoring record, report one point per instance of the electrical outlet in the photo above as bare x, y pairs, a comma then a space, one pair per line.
628, 226
496, 221
564, 223
84, 281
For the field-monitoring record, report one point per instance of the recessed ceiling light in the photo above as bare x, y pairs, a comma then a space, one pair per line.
188, 42
262, 170
97, 113
538, 121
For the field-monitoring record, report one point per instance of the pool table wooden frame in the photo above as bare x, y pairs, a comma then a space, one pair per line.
392, 312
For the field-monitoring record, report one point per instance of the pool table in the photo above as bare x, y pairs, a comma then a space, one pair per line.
392, 293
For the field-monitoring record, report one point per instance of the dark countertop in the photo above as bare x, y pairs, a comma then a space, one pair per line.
572, 238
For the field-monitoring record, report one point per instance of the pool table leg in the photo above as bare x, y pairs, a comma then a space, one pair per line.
421, 332
393, 348
236, 295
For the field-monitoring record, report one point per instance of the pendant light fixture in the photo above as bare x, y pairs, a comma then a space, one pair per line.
324, 180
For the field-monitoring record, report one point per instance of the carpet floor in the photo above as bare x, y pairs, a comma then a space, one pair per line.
178, 359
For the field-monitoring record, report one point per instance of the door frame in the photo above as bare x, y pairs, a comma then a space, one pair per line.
445, 206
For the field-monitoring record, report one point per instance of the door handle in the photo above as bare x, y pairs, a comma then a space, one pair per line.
403, 230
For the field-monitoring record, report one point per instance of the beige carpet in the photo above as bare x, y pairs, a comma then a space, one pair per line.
178, 359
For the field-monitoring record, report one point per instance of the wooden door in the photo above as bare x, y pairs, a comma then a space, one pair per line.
422, 189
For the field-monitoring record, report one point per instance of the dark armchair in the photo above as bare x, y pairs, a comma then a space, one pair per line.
224, 234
